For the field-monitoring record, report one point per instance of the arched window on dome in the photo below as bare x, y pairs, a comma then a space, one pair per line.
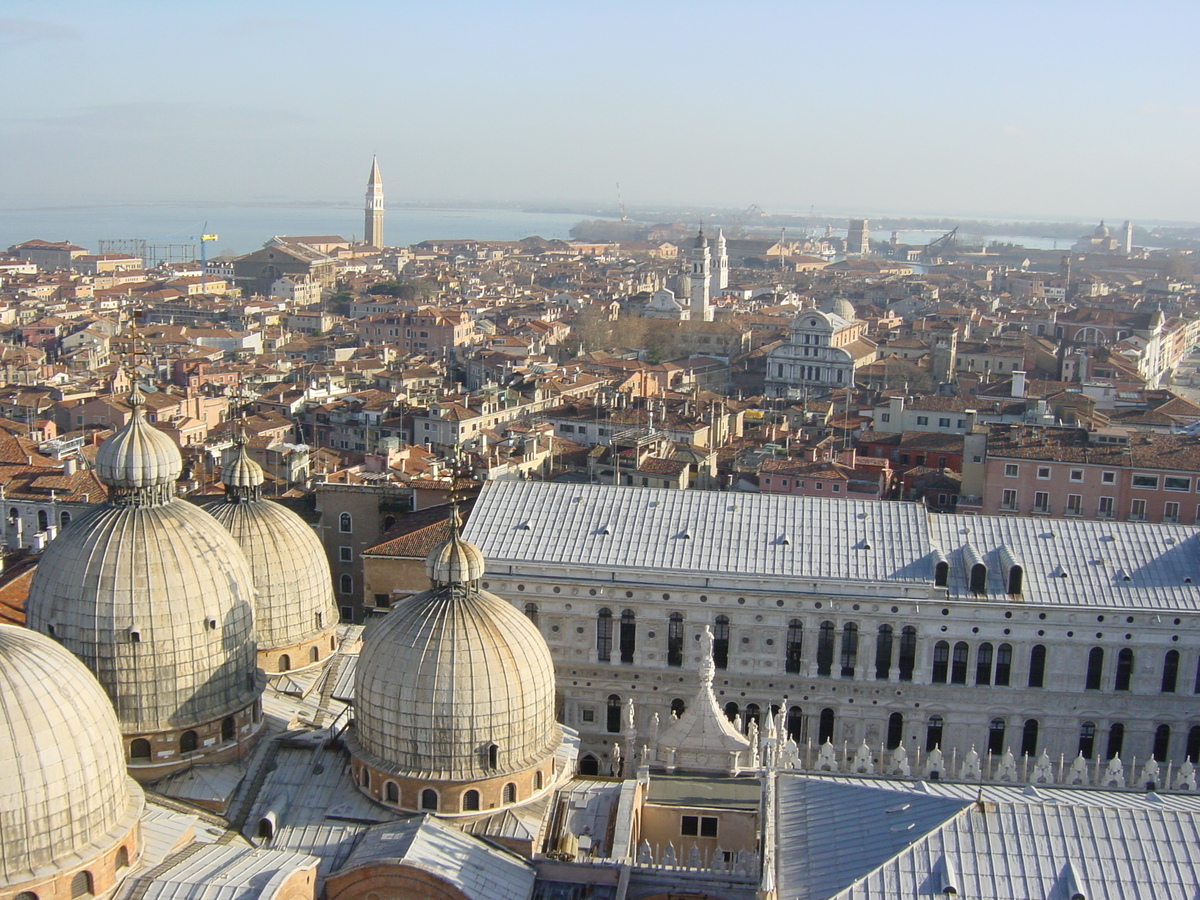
345, 523
122, 860
139, 748
26, 895
391, 792
228, 728
531, 613
346, 584
493, 755
188, 742
537, 780
366, 777
510, 793
82, 885
604, 635
612, 722
285, 663
64, 519
43, 520
314, 654
470, 801
429, 799
678, 707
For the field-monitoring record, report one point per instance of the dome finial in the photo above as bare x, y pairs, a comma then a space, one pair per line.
136, 399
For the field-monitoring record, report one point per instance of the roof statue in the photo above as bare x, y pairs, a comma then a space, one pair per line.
703, 739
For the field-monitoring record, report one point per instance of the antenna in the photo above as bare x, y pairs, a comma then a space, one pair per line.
621, 204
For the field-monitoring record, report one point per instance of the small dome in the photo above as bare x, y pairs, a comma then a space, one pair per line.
64, 794
241, 471
293, 591
455, 560
701, 240
844, 308
138, 455
157, 602
1101, 230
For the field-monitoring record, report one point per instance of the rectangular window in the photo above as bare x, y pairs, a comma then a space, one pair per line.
1077, 474
1011, 470
1146, 482
943, 423
922, 420
1176, 483
1108, 477
885, 417
837, 488
1041, 502
1105, 510
589, 715
1043, 472
1009, 499
1074, 504
698, 826
1137, 510
345, 554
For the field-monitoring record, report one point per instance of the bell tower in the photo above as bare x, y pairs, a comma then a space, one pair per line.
373, 227
701, 277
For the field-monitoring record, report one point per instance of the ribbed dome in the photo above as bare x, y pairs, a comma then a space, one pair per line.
138, 455
241, 471
455, 560
291, 573
157, 601
840, 306
64, 794
445, 675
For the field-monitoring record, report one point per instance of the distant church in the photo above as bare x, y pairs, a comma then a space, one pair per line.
704, 273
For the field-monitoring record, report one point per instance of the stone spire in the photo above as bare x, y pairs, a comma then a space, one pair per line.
373, 212
721, 263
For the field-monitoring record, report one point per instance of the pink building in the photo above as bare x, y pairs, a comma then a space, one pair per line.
862, 478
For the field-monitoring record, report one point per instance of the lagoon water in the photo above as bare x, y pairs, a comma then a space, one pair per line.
242, 228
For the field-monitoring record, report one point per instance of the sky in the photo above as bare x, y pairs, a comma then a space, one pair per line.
1013, 109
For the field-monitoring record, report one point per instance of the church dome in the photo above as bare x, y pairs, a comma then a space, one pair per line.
293, 592
151, 593
138, 455
842, 307
64, 795
455, 684
1101, 230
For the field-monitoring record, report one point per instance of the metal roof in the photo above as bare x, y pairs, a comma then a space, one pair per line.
227, 872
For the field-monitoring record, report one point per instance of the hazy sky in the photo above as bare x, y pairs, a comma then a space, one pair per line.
1063, 109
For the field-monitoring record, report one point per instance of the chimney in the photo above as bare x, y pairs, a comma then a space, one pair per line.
1018, 383
69, 465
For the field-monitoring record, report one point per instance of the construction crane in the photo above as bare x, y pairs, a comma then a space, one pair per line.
946, 240
621, 204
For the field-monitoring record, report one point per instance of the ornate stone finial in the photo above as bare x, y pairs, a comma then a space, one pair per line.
136, 399
708, 668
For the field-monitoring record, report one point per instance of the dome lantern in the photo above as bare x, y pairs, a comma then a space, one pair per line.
139, 464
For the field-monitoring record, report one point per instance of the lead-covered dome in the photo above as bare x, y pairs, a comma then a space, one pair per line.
153, 595
455, 684
64, 795
294, 604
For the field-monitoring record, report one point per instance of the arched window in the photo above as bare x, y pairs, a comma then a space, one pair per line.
795, 643
895, 730
1003, 665
613, 715
1170, 675
510, 793
43, 521
470, 801
604, 635
13, 515
795, 724
825, 732
346, 584
1095, 669
678, 707
825, 639
81, 884
1016, 577
628, 637
493, 755
979, 579
188, 742
26, 895
1087, 739
1162, 742
391, 792
139, 748
314, 655
883, 653
983, 664
589, 765
429, 799
908, 652
1029, 738
849, 649
537, 780
345, 523
941, 662
731, 711
1193, 744
958, 663
675, 639
933, 733
1124, 670
531, 613
995, 744
1116, 738
366, 778
721, 642
285, 663
64, 519
228, 728
389, 522
941, 574
1037, 666
122, 860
